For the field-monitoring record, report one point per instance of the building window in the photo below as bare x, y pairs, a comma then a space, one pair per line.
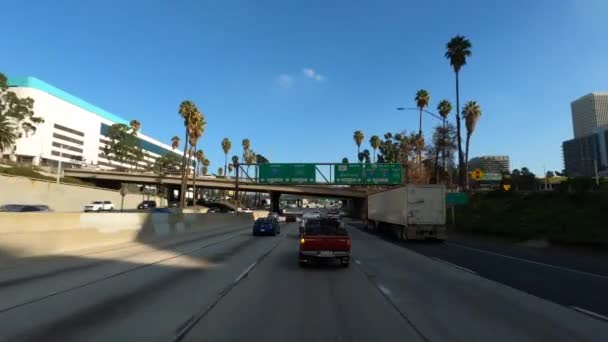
66, 155
70, 148
70, 130
63, 137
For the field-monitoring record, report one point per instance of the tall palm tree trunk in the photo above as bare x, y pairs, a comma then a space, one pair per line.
466, 163
437, 165
226, 165
374, 156
182, 195
194, 182
461, 166
443, 145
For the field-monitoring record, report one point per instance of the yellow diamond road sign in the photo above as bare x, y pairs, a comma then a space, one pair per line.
477, 174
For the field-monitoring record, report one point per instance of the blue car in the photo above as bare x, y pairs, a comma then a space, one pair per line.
266, 226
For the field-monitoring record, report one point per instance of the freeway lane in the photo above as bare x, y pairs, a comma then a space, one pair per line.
574, 283
388, 294
233, 286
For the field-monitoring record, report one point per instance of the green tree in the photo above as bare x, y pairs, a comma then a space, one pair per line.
230, 168
8, 133
196, 131
358, 137
422, 101
235, 163
226, 146
220, 171
471, 113
167, 164
344, 160
123, 147
175, 142
17, 117
549, 174
458, 49
188, 112
246, 148
206, 164
260, 159
374, 142
444, 108
135, 126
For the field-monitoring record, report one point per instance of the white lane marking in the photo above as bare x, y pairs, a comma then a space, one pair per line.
590, 313
384, 290
454, 265
357, 262
245, 272
529, 261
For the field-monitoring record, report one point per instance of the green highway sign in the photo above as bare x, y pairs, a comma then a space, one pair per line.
456, 198
287, 173
360, 174
348, 174
383, 174
491, 177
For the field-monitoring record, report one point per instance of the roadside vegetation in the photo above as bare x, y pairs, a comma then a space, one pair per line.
577, 217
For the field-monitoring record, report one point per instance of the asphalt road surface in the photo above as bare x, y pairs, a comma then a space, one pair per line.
231, 286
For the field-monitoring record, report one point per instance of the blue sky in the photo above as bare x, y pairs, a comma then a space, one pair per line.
298, 77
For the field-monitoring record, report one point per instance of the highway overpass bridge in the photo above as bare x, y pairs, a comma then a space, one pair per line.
114, 179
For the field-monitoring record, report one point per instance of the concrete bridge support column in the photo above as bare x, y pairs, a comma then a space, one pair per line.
274, 201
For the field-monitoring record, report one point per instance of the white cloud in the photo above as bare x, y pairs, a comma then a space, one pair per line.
313, 74
285, 81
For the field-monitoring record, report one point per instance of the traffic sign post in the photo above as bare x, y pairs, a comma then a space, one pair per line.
123, 193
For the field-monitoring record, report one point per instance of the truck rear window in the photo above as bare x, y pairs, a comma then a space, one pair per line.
324, 227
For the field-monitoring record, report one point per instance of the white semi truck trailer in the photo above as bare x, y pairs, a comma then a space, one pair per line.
411, 212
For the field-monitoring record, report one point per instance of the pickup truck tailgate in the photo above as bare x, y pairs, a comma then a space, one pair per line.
325, 243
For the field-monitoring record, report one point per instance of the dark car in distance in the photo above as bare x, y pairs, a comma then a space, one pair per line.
147, 205
266, 226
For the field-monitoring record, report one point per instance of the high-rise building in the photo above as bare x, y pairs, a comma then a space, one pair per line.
587, 152
582, 156
73, 132
588, 113
490, 164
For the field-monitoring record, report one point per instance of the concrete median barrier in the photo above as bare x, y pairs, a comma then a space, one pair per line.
35, 234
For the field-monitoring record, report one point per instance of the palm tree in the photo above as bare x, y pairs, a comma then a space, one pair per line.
206, 164
374, 141
220, 171
471, 113
135, 126
230, 168
358, 136
199, 156
226, 146
235, 163
457, 51
187, 111
246, 145
7, 133
344, 160
196, 129
422, 101
444, 108
175, 142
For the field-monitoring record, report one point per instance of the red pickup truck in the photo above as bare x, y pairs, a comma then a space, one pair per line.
324, 239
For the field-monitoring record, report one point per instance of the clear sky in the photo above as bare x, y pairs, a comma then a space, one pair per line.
298, 77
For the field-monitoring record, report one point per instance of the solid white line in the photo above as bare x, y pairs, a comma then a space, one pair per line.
529, 261
384, 290
245, 272
590, 313
456, 266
